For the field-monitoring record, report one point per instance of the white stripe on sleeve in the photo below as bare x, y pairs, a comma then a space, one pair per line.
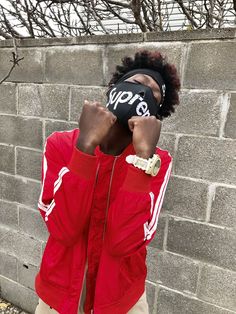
49, 207
150, 228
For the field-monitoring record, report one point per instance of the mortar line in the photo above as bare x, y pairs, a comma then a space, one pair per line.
166, 233
225, 103
197, 261
210, 198
39, 118
222, 184
17, 99
69, 109
105, 63
25, 147
18, 214
204, 223
43, 132
150, 282
184, 61
43, 55
17, 176
15, 161
156, 299
190, 296
176, 143
199, 136
199, 278
17, 269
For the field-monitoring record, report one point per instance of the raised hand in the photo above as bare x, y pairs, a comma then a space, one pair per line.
146, 133
94, 124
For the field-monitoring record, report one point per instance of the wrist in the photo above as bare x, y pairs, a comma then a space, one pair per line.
85, 146
145, 155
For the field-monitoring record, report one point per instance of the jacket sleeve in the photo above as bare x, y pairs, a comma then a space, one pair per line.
133, 216
66, 193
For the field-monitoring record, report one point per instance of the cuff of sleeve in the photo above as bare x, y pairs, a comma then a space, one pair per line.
137, 180
82, 164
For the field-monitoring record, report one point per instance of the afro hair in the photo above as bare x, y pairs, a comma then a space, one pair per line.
157, 62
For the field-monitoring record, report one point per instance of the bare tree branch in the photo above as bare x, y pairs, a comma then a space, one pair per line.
4, 34
56, 18
15, 61
186, 13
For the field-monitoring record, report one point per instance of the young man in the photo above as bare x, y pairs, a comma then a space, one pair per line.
102, 190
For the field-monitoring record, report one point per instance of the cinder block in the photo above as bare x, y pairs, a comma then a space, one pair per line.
223, 211
27, 274
186, 198
19, 295
202, 242
28, 163
173, 51
158, 240
19, 190
52, 126
198, 113
21, 246
152, 263
21, 131
31, 223
218, 286
186, 35
150, 292
8, 98
7, 160
206, 158
8, 267
170, 302
50, 101
80, 94
8, 214
74, 65
177, 272
43, 247
211, 66
167, 142
231, 118
30, 69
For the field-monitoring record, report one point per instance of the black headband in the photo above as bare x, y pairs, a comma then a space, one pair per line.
154, 74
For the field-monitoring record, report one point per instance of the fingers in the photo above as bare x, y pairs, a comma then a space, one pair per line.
150, 121
96, 108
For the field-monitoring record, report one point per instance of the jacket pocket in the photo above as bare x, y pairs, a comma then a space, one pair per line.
56, 264
132, 269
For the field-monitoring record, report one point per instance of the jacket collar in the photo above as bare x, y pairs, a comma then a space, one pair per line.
129, 150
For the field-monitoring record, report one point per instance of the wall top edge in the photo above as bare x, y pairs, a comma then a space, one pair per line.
185, 35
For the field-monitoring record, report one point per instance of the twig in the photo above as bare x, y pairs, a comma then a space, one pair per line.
15, 61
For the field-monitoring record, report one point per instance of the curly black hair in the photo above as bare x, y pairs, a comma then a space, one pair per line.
155, 61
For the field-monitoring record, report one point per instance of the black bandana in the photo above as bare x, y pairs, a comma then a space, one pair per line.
128, 99
154, 74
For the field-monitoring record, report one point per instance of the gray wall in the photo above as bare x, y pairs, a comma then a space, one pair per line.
192, 260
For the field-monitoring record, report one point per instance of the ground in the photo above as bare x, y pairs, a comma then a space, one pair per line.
8, 308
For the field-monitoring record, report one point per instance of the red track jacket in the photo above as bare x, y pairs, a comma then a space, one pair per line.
100, 210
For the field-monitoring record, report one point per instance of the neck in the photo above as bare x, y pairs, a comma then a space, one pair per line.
116, 140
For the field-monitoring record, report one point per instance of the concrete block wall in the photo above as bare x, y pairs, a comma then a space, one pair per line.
192, 260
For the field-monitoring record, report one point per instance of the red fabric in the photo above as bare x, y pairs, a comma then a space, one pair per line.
101, 210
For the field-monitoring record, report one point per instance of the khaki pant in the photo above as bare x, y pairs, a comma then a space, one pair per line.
141, 307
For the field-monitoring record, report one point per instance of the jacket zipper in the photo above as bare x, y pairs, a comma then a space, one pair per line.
82, 287
108, 199
85, 271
